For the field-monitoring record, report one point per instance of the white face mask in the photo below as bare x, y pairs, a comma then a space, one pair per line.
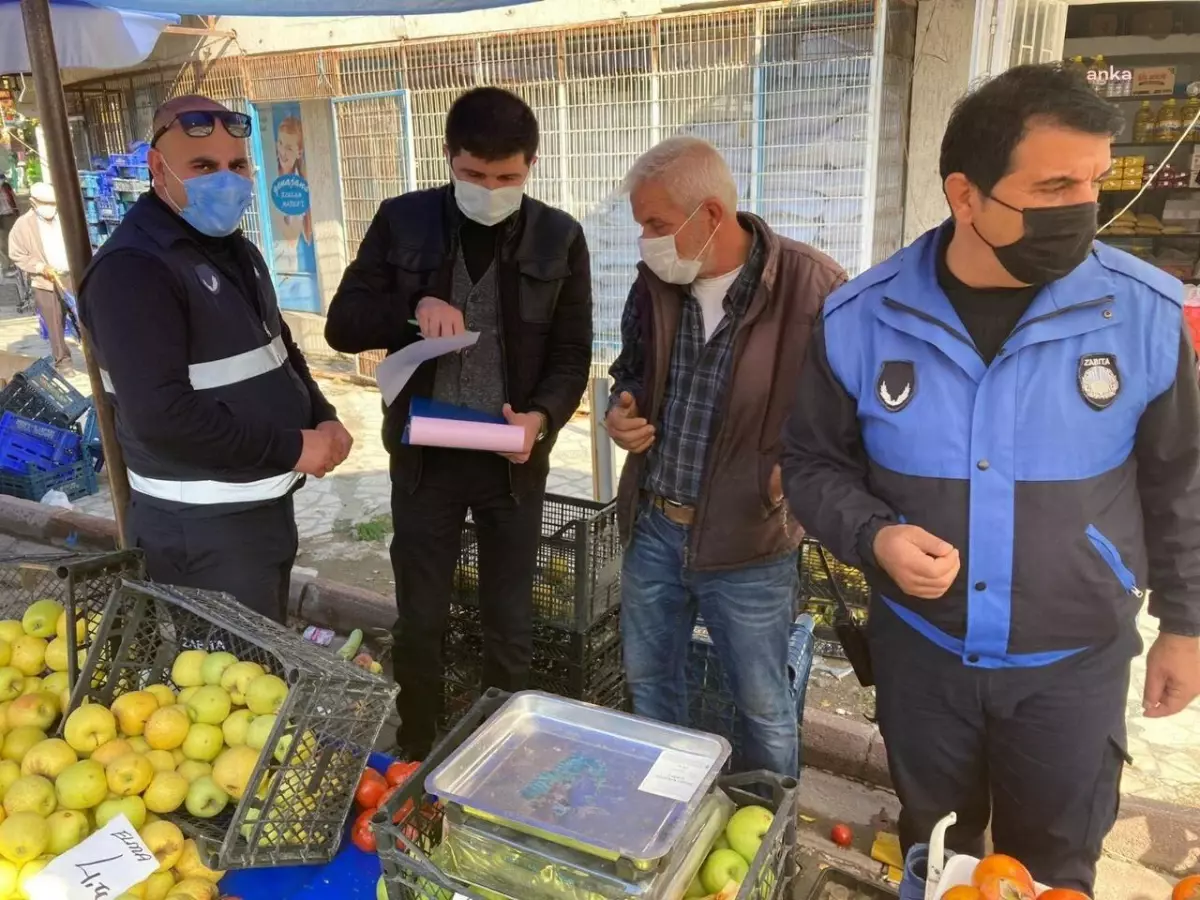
487, 207
45, 212
662, 256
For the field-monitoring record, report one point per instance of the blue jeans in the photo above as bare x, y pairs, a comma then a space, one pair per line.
748, 612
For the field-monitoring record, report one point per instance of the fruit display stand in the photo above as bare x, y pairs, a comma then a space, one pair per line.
411, 824
320, 718
79, 583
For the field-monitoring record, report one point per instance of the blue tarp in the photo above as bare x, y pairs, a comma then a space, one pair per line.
310, 7
87, 36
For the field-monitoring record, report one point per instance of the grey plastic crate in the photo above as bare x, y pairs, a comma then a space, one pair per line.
335, 711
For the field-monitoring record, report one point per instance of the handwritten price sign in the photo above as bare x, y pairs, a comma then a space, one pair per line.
102, 867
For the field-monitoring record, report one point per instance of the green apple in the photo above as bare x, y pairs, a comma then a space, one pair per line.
746, 829
133, 808
203, 742
8, 878
30, 793
722, 867
216, 664
48, 758
41, 619
167, 728
205, 798
67, 828
5, 657
133, 711
166, 793
695, 889
11, 681
236, 679
10, 630
259, 731
233, 770
9, 772
210, 705
129, 775
81, 786
32, 685
721, 843
29, 655
56, 682
20, 741
90, 727
23, 836
235, 728
191, 769
163, 694
39, 710
266, 694
187, 671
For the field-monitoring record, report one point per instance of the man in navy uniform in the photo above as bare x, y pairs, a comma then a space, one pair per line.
1001, 424
216, 412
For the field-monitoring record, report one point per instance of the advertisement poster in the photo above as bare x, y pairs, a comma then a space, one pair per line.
295, 258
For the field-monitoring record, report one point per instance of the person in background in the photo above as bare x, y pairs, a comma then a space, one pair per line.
216, 411
712, 336
475, 254
9, 211
37, 248
1001, 425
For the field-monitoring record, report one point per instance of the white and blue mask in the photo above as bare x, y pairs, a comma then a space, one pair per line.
216, 201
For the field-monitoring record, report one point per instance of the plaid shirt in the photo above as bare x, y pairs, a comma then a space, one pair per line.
696, 382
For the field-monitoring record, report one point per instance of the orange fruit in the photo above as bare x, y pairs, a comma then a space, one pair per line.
1187, 889
1001, 887
1002, 866
962, 892
1062, 894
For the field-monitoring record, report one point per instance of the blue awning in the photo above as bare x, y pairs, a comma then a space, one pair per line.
86, 35
311, 7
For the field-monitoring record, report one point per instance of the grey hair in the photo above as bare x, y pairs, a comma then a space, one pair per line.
690, 169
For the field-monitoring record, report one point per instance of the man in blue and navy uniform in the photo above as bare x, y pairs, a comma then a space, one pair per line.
216, 412
1001, 424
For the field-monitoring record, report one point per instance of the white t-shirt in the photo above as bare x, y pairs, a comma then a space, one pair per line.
710, 294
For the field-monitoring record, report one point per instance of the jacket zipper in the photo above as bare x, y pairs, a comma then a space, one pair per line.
500, 333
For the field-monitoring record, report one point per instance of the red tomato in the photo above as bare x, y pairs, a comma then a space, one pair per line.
841, 835
370, 789
400, 772
361, 834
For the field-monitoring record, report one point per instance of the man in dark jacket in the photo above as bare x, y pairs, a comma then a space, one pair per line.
1001, 424
473, 255
216, 412
712, 337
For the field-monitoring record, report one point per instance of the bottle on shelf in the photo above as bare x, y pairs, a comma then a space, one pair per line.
1169, 125
1144, 124
1190, 111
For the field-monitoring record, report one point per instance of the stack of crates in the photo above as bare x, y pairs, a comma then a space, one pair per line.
576, 607
818, 600
41, 446
113, 188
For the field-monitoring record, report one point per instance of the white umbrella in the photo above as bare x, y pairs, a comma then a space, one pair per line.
313, 7
86, 35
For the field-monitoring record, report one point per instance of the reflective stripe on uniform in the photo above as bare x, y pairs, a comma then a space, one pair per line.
203, 493
230, 370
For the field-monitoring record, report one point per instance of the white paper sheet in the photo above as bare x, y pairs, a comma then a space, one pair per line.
393, 373
103, 866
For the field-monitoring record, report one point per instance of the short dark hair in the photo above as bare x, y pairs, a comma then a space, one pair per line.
990, 121
491, 123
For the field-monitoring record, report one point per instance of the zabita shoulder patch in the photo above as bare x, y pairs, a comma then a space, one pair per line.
1099, 379
897, 384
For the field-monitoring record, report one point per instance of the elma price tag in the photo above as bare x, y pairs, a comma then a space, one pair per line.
103, 867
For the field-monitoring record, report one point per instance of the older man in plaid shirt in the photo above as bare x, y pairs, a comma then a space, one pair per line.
712, 339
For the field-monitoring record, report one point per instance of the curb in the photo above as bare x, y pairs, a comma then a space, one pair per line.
1159, 835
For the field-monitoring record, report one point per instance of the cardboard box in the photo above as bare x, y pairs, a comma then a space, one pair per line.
1103, 25
1153, 80
1152, 22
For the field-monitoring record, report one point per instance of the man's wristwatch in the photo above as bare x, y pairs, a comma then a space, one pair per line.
545, 429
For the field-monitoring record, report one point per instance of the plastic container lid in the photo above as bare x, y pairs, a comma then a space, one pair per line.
604, 782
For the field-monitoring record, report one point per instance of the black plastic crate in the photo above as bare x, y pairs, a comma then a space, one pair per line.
41, 393
80, 582
580, 665
814, 582
576, 580
409, 826
710, 700
331, 718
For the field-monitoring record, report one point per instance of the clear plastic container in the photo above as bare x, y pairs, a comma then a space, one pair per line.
603, 782
504, 861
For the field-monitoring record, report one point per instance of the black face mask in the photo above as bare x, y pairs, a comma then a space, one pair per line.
1056, 240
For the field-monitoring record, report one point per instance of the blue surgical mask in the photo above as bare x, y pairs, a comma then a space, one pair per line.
216, 201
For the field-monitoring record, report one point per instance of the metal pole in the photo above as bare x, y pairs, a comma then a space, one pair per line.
43, 60
602, 446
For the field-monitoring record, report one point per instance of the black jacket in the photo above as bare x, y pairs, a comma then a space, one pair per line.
545, 308
210, 392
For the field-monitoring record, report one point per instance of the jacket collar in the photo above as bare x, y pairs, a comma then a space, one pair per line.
916, 284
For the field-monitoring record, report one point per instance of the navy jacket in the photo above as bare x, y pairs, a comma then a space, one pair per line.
1067, 473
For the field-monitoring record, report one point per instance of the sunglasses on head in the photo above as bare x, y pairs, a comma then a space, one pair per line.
201, 122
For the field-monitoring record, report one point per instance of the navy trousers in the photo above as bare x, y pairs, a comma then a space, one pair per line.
1038, 752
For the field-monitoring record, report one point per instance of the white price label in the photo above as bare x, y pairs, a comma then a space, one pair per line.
675, 774
103, 867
